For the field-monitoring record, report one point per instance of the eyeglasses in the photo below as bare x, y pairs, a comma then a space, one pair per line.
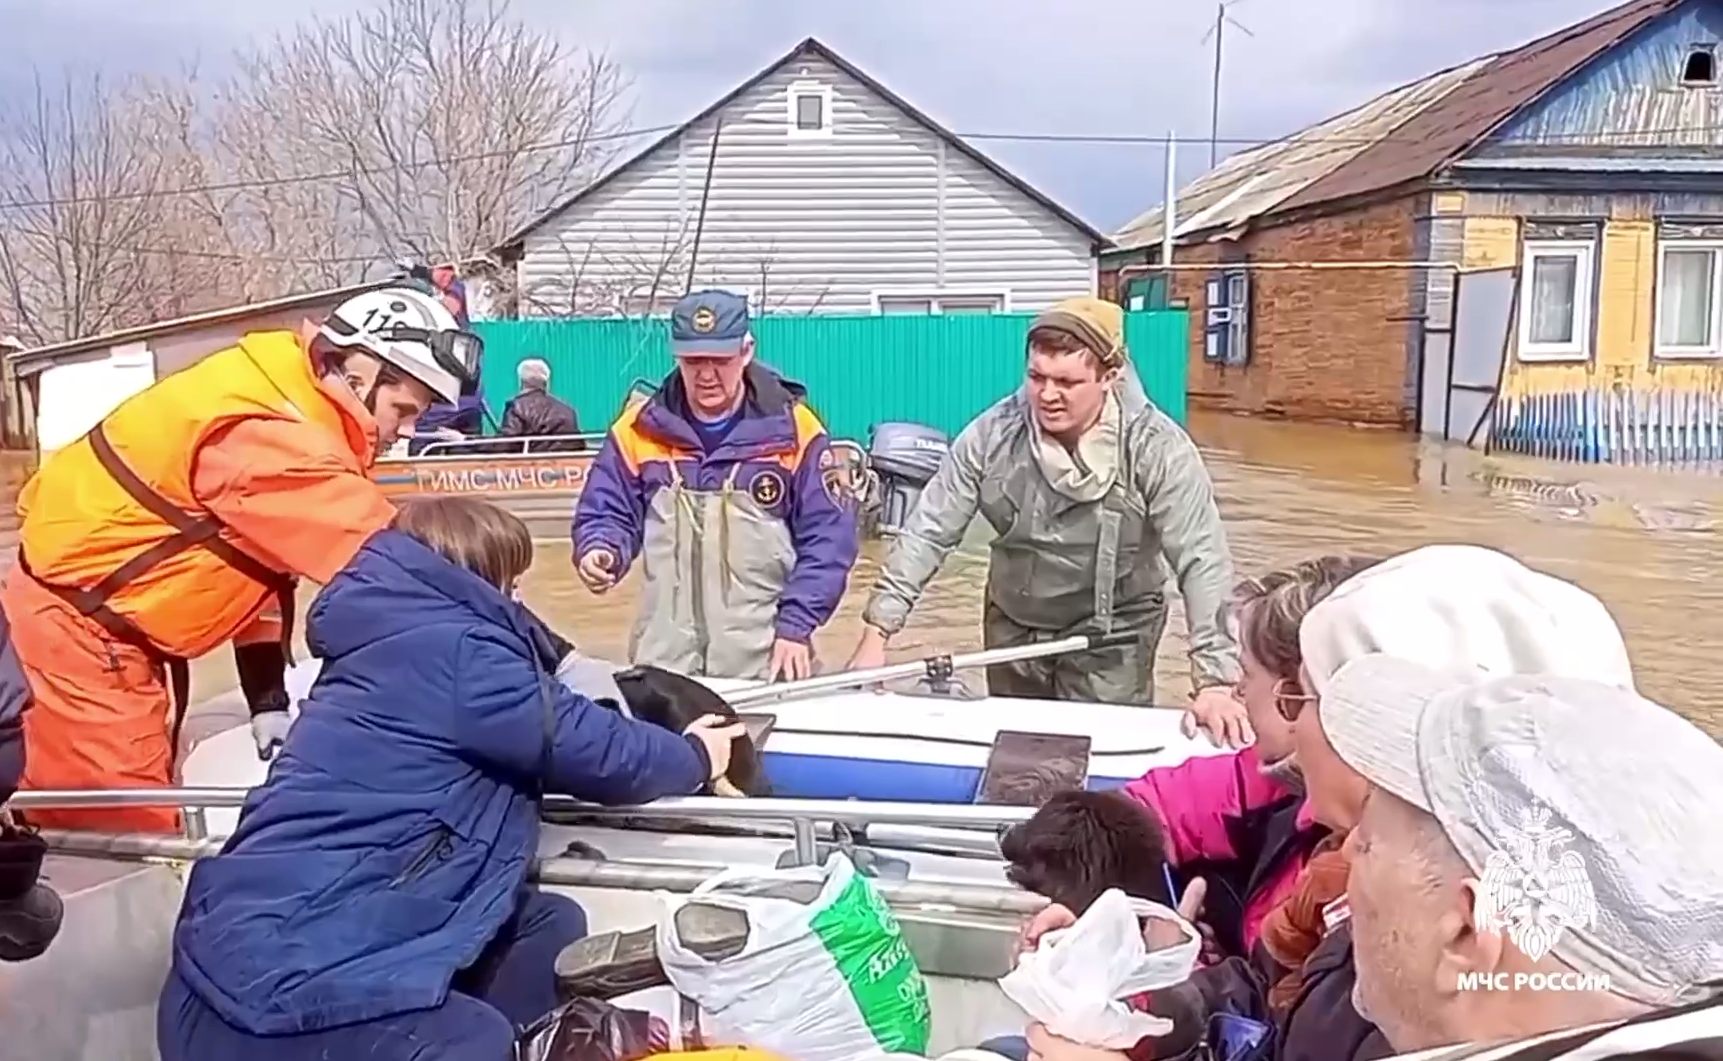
1288, 703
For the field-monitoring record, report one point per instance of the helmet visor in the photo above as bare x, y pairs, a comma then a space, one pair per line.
457, 353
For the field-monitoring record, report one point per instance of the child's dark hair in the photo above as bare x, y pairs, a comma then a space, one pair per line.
1079, 844
477, 535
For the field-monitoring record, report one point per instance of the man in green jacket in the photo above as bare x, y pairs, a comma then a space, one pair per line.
1087, 486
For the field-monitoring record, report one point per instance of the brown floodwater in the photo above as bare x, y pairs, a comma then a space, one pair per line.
1644, 541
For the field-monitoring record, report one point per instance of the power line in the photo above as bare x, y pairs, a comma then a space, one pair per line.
330, 176
1649, 137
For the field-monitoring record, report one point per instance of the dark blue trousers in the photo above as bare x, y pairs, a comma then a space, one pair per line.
512, 984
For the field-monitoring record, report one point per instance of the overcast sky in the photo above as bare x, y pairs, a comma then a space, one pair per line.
1101, 67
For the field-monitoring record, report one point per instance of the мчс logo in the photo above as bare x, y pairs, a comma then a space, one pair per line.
1533, 892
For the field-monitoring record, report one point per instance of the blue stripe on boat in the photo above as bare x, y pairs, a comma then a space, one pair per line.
395, 480
842, 777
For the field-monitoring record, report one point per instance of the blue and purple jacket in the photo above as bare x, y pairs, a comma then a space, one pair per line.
778, 451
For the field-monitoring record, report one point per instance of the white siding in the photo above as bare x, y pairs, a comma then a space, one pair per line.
805, 223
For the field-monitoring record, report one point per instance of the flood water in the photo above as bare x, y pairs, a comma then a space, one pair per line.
1646, 542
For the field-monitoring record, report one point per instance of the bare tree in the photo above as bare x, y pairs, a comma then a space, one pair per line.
441, 125
77, 212
636, 275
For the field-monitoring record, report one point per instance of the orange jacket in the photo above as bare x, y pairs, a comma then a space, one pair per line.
191, 506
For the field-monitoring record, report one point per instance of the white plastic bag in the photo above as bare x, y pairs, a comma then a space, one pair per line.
831, 980
1076, 979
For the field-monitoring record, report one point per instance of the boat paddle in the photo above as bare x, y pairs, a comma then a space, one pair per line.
936, 669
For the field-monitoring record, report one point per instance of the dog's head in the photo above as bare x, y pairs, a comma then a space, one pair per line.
1079, 844
673, 701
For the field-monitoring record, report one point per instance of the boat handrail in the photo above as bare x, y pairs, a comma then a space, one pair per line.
804, 815
507, 446
574, 872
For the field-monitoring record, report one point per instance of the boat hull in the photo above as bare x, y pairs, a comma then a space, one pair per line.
850, 745
92, 996
540, 489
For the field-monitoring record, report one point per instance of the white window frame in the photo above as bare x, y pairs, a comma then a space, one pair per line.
1713, 350
933, 296
632, 305
1584, 299
793, 94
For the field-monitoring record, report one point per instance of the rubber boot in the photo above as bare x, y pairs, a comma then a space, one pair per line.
30, 912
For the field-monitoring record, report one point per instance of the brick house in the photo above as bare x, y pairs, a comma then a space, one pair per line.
1587, 164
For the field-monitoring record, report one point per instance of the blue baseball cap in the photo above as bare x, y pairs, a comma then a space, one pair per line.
709, 323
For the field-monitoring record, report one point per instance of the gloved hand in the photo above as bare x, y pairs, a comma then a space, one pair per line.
269, 730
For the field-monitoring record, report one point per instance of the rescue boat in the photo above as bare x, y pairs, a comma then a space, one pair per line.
539, 477
913, 786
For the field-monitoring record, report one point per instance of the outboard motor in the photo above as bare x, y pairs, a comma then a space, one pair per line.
904, 457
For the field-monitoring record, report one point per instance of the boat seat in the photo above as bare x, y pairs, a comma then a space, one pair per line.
613, 964
1026, 769
867, 861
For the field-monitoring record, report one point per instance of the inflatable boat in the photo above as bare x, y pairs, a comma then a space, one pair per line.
912, 787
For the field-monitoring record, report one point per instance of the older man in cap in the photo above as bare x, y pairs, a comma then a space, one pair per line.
724, 486
1087, 486
1538, 856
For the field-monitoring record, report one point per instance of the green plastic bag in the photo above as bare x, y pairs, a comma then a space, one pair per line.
830, 980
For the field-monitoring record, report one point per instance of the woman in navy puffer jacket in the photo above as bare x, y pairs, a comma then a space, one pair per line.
373, 901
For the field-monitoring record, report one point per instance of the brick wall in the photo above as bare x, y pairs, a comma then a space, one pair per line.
1328, 344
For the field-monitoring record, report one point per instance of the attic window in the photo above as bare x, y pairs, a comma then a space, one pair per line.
1701, 65
810, 109
810, 113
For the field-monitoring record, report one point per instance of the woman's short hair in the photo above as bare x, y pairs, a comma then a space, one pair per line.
477, 535
1270, 608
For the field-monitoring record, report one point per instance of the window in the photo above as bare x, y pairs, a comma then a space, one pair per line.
1688, 299
949, 304
810, 112
810, 109
1700, 69
945, 303
899, 304
1226, 319
1555, 302
646, 303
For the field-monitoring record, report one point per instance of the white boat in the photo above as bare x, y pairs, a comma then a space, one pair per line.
891, 777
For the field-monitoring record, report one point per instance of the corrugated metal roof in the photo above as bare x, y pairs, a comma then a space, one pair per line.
1256, 182
141, 332
1403, 136
1477, 108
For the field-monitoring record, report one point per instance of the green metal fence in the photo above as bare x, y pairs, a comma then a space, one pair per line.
859, 370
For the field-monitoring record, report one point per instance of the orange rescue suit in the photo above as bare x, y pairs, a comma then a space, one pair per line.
129, 565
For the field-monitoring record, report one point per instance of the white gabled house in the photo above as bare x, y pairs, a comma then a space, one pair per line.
824, 193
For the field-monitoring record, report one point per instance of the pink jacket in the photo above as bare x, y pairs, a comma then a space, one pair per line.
1195, 801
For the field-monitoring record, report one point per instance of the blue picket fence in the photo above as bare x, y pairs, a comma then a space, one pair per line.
1666, 428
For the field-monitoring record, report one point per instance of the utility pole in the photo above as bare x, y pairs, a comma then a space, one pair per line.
1218, 32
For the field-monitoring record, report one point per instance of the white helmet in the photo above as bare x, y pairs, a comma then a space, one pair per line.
412, 331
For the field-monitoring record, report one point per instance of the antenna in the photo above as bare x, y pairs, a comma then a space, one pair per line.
1222, 17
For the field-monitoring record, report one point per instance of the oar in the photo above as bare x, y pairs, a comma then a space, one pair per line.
934, 668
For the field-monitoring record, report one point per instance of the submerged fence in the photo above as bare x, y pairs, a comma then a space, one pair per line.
1665, 428
859, 370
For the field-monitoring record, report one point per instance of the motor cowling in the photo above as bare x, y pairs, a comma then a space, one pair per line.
905, 457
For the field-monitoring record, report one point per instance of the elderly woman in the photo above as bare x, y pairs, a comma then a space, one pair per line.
1618, 792
1447, 606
